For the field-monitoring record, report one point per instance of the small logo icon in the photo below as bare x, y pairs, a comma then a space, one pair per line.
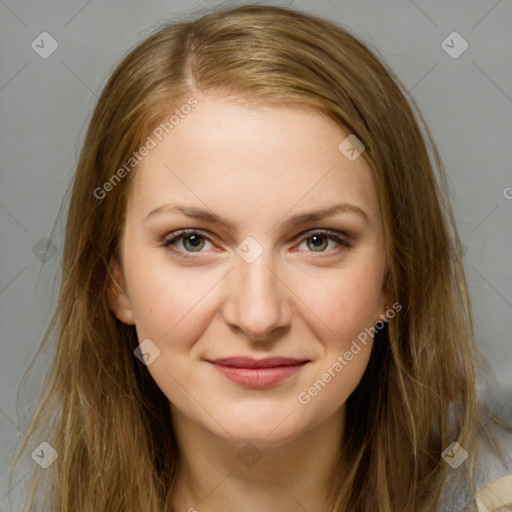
455, 455
454, 45
351, 147
249, 249
45, 455
40, 251
249, 455
147, 352
44, 45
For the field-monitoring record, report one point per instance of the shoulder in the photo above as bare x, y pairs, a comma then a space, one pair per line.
496, 496
492, 478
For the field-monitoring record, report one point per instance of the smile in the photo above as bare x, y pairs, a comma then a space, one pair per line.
258, 374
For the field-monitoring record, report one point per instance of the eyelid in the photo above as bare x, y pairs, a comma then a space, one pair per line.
181, 233
343, 235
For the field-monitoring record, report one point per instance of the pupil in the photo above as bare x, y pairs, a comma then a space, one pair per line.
196, 240
318, 238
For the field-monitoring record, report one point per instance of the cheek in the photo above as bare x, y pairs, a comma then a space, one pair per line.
345, 301
352, 371
162, 294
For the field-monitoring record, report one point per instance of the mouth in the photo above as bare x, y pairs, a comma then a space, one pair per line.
258, 373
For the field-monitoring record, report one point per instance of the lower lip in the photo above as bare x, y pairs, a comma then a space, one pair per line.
258, 377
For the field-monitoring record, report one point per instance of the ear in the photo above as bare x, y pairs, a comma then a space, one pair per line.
116, 293
387, 299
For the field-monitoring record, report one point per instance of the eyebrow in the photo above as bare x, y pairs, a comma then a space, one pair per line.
296, 220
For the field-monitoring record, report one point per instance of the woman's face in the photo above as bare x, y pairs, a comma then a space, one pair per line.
258, 285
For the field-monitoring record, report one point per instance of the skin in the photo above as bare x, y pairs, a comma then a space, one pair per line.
255, 168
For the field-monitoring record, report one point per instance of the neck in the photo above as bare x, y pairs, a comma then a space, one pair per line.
218, 474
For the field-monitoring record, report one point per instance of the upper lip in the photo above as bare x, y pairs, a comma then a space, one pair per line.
247, 362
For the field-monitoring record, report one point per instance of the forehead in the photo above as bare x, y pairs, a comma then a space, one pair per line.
226, 155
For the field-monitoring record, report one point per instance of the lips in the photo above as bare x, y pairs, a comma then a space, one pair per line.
247, 362
258, 373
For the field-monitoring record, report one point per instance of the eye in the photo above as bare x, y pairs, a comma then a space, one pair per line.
193, 241
191, 238
317, 235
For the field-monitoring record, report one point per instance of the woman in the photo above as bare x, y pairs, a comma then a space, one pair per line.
212, 354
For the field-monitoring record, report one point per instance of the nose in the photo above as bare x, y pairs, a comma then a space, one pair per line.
257, 302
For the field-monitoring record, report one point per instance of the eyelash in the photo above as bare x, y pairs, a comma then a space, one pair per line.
179, 235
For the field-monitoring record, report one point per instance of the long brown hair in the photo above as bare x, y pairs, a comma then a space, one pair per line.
101, 410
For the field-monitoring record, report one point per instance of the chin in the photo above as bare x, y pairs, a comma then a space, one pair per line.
271, 430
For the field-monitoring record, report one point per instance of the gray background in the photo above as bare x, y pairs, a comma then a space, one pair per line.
45, 105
